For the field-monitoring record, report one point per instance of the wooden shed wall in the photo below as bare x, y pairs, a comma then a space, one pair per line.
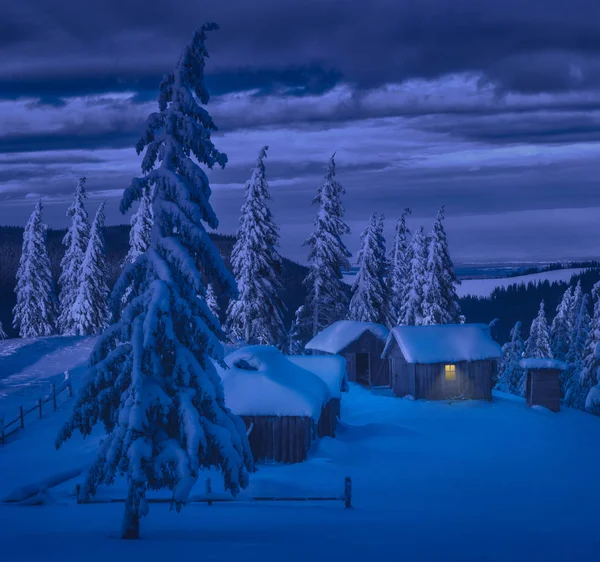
543, 389
329, 418
428, 381
282, 439
379, 373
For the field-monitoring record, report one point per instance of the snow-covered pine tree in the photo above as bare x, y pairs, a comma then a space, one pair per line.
36, 309
75, 242
575, 308
572, 377
368, 291
256, 316
152, 380
399, 273
538, 342
511, 376
591, 360
561, 328
141, 228
211, 301
295, 336
440, 301
3, 334
412, 308
326, 293
90, 310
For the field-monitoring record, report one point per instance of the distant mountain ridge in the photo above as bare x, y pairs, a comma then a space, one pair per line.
117, 245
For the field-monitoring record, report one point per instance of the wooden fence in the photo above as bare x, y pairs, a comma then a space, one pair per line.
19, 421
209, 497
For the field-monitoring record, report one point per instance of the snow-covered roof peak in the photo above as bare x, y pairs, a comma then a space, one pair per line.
533, 363
261, 381
341, 334
331, 369
447, 343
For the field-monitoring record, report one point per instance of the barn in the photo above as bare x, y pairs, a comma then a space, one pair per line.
442, 362
280, 402
361, 344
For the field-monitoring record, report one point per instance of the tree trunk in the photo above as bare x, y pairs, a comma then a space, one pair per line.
131, 517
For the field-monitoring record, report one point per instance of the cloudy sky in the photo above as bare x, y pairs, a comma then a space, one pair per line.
489, 107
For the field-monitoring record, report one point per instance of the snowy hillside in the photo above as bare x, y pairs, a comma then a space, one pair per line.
485, 287
467, 481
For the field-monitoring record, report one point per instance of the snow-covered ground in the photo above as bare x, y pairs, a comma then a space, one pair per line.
470, 481
485, 287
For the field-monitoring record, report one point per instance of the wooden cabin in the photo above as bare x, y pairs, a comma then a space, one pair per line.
361, 344
283, 406
332, 371
442, 362
542, 383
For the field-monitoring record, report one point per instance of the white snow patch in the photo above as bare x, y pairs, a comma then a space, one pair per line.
331, 369
448, 343
341, 334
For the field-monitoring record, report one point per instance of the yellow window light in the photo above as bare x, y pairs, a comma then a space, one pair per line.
450, 372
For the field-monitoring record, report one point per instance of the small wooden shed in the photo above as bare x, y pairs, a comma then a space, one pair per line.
332, 371
442, 362
361, 344
542, 383
280, 402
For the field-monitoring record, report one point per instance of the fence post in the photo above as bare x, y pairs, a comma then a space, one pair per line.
54, 396
348, 492
208, 491
68, 384
40, 406
77, 493
22, 416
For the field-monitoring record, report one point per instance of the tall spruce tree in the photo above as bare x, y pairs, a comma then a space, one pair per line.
440, 301
538, 342
399, 274
256, 316
326, 293
412, 308
152, 380
295, 336
572, 377
36, 311
561, 328
511, 375
211, 301
75, 242
591, 360
368, 291
3, 334
141, 228
90, 310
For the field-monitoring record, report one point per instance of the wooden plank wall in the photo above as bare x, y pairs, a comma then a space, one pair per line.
379, 368
545, 389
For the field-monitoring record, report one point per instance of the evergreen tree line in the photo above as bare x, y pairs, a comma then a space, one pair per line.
573, 337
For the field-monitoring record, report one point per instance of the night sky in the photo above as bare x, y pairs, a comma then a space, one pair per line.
491, 107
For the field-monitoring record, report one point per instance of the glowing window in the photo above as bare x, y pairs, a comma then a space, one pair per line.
450, 372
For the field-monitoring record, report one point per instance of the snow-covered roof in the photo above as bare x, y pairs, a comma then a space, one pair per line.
448, 343
261, 381
532, 363
331, 369
341, 334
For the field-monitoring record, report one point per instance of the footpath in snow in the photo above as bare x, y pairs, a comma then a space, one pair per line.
469, 481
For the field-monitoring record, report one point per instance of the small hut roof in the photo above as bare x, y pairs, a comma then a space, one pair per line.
331, 369
261, 381
341, 334
532, 364
448, 343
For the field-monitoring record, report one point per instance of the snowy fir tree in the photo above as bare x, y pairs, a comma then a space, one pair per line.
256, 316
412, 308
399, 272
90, 310
3, 334
36, 309
152, 382
440, 301
326, 293
575, 308
510, 378
295, 339
369, 291
538, 342
211, 301
572, 377
141, 228
591, 361
75, 242
561, 328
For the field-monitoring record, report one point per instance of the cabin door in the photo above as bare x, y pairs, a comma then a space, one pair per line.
363, 369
